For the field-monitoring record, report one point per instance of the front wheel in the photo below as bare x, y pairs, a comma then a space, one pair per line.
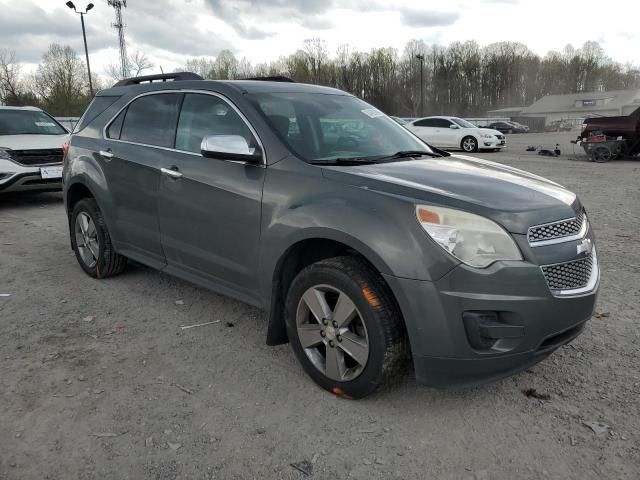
345, 327
469, 144
91, 242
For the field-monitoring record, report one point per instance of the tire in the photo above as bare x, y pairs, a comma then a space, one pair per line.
95, 254
469, 144
375, 321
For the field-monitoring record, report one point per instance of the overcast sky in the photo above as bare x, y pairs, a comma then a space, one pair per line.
170, 31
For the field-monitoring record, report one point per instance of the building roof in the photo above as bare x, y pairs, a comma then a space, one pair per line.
584, 102
507, 110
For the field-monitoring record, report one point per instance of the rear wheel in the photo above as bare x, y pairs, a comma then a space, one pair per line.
469, 144
91, 242
601, 154
345, 328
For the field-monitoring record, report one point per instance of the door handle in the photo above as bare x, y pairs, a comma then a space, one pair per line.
106, 154
171, 172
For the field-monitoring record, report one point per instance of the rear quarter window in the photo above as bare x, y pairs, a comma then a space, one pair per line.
97, 106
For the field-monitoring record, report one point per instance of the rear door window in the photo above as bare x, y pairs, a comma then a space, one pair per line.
441, 123
152, 119
427, 122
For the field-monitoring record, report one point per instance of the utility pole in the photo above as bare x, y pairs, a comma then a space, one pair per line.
118, 5
420, 57
84, 37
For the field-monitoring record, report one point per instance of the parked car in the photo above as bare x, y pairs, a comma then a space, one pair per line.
507, 127
454, 132
558, 126
526, 128
364, 255
31, 150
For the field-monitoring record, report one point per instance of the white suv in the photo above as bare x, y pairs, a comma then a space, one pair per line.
31, 150
454, 132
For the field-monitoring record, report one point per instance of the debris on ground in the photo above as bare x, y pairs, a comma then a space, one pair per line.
148, 442
230, 324
174, 446
597, 427
261, 431
533, 393
106, 434
380, 461
304, 466
183, 388
119, 326
601, 315
89, 318
185, 327
5, 294
179, 302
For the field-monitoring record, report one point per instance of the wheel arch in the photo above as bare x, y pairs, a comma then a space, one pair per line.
301, 254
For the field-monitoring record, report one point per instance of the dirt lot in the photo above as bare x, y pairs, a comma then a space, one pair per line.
97, 380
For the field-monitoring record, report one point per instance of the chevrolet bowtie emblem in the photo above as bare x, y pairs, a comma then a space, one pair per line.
585, 246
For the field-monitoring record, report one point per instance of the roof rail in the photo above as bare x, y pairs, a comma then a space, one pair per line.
162, 77
277, 78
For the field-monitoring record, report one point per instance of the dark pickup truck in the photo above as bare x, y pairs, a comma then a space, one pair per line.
627, 127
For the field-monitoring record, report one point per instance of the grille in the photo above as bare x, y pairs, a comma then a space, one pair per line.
570, 275
37, 157
562, 228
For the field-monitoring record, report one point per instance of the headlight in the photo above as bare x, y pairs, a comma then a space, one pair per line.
472, 239
4, 154
487, 135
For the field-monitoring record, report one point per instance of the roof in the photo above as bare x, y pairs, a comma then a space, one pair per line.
507, 110
31, 109
611, 100
242, 86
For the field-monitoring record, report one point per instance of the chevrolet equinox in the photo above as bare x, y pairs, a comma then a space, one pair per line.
367, 247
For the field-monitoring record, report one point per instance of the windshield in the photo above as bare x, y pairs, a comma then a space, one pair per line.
463, 123
327, 127
28, 122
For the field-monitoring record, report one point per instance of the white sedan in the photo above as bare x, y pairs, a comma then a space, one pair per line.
454, 132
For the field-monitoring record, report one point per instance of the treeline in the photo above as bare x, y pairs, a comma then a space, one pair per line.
462, 79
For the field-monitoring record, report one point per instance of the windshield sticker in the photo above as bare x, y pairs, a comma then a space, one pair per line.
45, 124
372, 112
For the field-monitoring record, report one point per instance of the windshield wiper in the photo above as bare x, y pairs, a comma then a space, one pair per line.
346, 161
410, 154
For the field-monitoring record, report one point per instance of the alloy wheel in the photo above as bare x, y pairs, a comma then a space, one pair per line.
332, 333
87, 239
469, 144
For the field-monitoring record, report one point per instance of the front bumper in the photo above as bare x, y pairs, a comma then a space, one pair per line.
19, 178
491, 143
516, 292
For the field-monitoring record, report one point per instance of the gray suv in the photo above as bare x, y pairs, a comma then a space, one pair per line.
366, 247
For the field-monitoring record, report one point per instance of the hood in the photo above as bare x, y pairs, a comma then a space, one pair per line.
490, 131
513, 198
32, 142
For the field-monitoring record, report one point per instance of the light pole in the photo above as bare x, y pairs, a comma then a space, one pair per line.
84, 37
420, 57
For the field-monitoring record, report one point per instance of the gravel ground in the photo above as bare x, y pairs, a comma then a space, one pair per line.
97, 380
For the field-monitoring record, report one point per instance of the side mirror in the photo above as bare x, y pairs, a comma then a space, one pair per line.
453, 127
230, 147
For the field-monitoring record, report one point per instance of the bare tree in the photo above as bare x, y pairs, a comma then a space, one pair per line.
10, 85
138, 63
61, 81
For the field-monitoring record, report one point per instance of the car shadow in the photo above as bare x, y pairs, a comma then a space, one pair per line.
29, 199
